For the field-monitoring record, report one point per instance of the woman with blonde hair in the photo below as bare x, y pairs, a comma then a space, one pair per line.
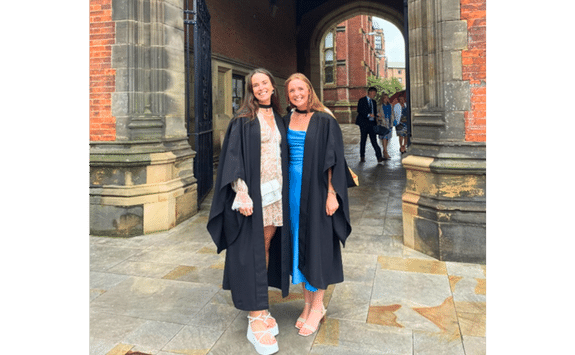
319, 209
249, 212
386, 109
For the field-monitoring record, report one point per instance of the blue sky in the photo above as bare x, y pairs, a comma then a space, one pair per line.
394, 42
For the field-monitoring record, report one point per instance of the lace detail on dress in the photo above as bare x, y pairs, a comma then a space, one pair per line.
242, 198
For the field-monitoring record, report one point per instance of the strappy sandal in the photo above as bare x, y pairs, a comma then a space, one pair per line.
274, 330
308, 327
255, 336
301, 320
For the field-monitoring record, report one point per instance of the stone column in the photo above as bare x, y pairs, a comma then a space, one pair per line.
444, 200
142, 182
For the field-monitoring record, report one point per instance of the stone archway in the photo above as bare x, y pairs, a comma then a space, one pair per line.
335, 16
444, 203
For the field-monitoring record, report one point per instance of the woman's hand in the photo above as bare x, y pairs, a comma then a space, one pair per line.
243, 203
246, 211
331, 205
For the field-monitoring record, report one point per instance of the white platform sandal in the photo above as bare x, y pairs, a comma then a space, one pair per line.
254, 338
274, 330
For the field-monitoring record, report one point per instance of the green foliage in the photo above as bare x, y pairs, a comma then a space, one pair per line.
384, 85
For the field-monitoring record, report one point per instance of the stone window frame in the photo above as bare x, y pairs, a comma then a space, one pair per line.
329, 66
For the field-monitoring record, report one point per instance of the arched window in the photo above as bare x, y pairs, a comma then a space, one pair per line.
329, 40
329, 59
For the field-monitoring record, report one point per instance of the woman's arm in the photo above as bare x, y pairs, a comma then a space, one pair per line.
243, 201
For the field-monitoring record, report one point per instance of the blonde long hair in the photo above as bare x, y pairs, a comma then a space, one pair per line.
314, 104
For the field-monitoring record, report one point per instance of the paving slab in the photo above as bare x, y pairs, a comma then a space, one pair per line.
161, 294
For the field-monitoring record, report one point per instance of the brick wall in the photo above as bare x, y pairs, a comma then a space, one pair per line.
474, 68
247, 32
102, 76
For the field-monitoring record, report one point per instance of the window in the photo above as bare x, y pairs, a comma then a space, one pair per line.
377, 42
329, 40
329, 59
237, 91
329, 56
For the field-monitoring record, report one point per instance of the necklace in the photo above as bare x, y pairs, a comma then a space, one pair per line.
302, 112
265, 106
267, 113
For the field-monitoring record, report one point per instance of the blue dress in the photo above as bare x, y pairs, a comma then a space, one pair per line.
386, 110
295, 140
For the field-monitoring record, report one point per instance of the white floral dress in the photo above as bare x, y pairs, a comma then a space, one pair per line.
270, 169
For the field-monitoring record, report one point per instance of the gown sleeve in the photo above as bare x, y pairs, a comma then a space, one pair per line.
335, 159
224, 223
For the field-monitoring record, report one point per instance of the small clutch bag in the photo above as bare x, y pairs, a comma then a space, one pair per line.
271, 192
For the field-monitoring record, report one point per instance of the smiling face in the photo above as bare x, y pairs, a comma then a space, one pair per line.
298, 94
262, 88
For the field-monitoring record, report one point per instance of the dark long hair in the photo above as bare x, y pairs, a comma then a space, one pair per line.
250, 106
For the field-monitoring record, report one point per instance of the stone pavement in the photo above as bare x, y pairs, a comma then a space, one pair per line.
161, 294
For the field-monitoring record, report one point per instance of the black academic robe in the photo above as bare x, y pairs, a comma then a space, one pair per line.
320, 235
242, 237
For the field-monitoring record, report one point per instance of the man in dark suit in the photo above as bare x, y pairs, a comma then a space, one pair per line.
366, 120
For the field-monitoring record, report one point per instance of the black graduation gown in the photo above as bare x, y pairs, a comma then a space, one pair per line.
320, 234
242, 237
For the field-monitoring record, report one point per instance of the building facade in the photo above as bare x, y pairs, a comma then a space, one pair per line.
396, 70
141, 157
351, 52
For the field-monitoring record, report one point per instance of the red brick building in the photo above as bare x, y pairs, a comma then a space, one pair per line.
396, 70
352, 51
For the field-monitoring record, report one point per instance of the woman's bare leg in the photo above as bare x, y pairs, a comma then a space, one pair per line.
269, 232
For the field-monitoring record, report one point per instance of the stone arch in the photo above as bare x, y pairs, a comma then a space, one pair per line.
332, 17
443, 205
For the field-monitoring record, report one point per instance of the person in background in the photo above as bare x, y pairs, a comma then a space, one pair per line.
319, 209
249, 213
400, 112
366, 119
386, 110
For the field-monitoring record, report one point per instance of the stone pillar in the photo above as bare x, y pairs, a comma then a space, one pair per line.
444, 200
142, 181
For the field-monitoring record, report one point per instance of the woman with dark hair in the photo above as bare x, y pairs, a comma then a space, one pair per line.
319, 209
249, 209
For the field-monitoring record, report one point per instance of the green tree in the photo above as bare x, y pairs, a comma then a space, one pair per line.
384, 85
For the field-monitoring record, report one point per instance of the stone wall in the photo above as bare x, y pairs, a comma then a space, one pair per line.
445, 197
141, 173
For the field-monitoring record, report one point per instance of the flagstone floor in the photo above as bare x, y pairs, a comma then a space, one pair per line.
161, 294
